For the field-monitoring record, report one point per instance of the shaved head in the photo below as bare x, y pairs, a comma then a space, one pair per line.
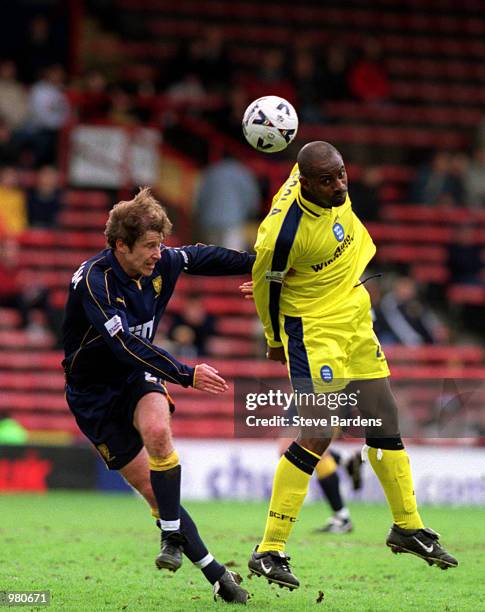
323, 178
312, 155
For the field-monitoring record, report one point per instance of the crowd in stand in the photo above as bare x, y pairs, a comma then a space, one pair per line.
37, 100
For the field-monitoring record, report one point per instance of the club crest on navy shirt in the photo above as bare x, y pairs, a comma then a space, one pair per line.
157, 284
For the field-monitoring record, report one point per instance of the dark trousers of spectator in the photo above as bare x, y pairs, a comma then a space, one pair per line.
41, 143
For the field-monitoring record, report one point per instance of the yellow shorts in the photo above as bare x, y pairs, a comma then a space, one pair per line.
332, 351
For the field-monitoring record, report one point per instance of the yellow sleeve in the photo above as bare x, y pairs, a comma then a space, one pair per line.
275, 253
261, 292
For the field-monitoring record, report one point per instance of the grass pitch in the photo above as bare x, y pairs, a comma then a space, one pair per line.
96, 552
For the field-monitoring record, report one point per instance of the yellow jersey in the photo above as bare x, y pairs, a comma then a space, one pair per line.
308, 258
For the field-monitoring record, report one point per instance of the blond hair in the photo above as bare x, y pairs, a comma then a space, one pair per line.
129, 220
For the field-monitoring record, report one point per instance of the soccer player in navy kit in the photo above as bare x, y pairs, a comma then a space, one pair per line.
115, 375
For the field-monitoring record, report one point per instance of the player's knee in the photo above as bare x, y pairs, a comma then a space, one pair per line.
158, 440
315, 445
152, 419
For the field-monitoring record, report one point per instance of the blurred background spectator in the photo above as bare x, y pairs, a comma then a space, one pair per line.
25, 294
192, 328
227, 199
8, 155
365, 193
368, 77
438, 182
48, 113
13, 96
335, 62
13, 210
44, 200
406, 319
40, 48
307, 81
474, 179
466, 256
92, 98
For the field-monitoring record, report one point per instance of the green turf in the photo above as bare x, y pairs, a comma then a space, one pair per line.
96, 552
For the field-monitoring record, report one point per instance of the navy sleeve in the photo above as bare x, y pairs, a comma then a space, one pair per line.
112, 324
214, 260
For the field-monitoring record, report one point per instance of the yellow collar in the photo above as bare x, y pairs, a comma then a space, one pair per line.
314, 210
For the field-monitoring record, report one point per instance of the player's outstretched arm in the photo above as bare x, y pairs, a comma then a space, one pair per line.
214, 260
206, 378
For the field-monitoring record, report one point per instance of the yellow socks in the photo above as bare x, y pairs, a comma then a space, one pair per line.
393, 470
290, 486
162, 464
326, 466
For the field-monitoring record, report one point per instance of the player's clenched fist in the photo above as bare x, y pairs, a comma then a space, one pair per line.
276, 354
206, 378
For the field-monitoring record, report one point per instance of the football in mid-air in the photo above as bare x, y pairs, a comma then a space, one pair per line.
270, 124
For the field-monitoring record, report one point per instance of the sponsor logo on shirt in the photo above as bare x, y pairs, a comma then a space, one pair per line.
336, 254
114, 325
144, 330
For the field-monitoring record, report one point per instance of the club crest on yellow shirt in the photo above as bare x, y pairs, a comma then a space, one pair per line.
157, 284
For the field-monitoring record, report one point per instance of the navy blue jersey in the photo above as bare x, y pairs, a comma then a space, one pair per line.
111, 319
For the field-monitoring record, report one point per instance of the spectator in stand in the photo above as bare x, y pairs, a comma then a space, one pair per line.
212, 61
39, 50
335, 73
408, 320
227, 118
49, 113
13, 209
192, 328
93, 100
8, 155
122, 111
368, 78
474, 179
365, 193
44, 201
272, 77
228, 197
25, 295
189, 89
466, 258
13, 96
308, 86
438, 183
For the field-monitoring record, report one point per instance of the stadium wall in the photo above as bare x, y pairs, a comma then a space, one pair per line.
241, 470
233, 469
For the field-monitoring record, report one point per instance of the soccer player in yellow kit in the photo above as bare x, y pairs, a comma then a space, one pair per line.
310, 253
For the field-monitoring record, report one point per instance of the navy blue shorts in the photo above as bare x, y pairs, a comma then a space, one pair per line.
104, 413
